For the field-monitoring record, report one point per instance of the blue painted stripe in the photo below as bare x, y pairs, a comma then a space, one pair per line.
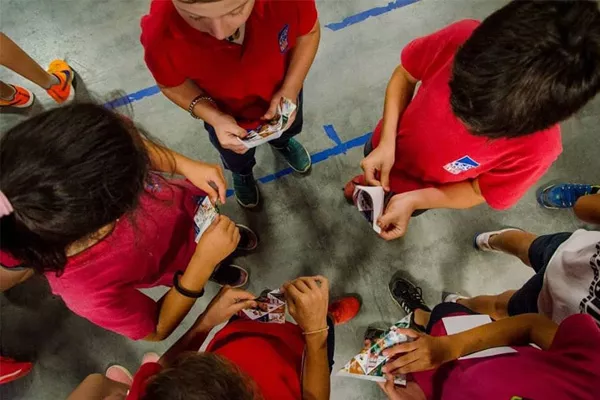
332, 134
317, 157
373, 12
133, 97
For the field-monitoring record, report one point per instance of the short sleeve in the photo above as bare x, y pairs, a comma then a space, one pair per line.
579, 336
425, 55
127, 312
307, 16
504, 186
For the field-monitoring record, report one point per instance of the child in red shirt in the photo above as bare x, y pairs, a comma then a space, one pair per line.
230, 63
483, 125
79, 203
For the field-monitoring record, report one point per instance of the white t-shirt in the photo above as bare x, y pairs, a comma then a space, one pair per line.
572, 278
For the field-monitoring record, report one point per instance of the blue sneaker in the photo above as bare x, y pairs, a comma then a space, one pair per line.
246, 190
296, 156
564, 195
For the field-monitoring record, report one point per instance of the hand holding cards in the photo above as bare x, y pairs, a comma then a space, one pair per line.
206, 213
270, 308
370, 201
272, 129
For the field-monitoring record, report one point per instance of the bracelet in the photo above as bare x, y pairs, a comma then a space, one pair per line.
197, 100
183, 291
317, 331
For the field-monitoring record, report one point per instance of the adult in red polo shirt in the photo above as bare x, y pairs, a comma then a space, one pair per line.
229, 63
483, 125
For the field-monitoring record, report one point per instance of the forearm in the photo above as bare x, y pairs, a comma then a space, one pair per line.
173, 305
518, 330
315, 379
398, 95
454, 195
302, 57
184, 94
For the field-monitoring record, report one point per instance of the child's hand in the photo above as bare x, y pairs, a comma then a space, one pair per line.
202, 175
276, 101
379, 162
308, 299
218, 241
228, 132
412, 391
422, 354
223, 306
394, 221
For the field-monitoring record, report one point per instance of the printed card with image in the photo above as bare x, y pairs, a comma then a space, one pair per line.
370, 201
272, 129
368, 363
205, 214
270, 308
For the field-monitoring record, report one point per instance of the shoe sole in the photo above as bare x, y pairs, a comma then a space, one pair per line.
253, 233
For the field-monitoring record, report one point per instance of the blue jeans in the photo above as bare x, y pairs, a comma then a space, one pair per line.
243, 163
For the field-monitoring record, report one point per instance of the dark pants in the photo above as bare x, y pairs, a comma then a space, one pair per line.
330, 343
443, 310
243, 163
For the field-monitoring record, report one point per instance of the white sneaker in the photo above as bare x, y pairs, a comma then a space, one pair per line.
450, 297
481, 241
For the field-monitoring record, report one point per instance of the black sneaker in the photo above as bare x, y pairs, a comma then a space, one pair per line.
248, 239
229, 274
408, 296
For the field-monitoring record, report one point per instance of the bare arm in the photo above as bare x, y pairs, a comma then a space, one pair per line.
315, 379
184, 94
9, 278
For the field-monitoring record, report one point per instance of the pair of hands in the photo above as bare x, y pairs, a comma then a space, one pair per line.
307, 299
228, 131
377, 167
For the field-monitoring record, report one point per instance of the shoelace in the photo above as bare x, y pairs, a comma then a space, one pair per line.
571, 192
411, 295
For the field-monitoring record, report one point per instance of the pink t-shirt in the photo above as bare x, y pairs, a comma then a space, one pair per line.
433, 147
569, 369
144, 250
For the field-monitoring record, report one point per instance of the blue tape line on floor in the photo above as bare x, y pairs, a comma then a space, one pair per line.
132, 97
332, 134
318, 157
373, 12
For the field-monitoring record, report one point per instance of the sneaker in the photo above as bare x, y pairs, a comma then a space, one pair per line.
351, 185
248, 239
230, 274
63, 91
481, 241
564, 195
150, 357
296, 156
408, 296
120, 374
246, 190
22, 98
451, 297
11, 370
344, 309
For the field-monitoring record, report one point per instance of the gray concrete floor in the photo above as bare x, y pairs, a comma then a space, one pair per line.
306, 227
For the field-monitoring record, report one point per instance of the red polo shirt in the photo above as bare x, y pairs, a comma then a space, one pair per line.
433, 147
242, 79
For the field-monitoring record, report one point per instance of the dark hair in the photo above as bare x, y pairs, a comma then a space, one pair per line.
67, 173
528, 66
201, 376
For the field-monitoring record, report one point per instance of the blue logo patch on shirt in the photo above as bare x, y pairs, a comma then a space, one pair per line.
283, 38
461, 165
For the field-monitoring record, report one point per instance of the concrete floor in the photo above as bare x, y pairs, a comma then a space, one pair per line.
306, 227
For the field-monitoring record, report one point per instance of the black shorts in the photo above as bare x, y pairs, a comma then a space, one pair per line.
540, 252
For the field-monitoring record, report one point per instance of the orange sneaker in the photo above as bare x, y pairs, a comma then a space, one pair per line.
22, 98
63, 91
344, 309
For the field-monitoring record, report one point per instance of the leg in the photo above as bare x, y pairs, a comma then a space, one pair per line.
513, 242
494, 306
587, 208
14, 58
99, 387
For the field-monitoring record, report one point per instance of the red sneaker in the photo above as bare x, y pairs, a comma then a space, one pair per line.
23, 98
11, 370
344, 309
349, 188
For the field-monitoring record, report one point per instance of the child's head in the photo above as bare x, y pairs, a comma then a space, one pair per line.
67, 173
201, 376
219, 18
528, 66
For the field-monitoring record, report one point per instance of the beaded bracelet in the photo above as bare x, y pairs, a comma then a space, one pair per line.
317, 331
198, 100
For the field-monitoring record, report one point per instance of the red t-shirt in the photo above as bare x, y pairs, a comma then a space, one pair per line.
242, 79
569, 369
434, 147
271, 354
143, 251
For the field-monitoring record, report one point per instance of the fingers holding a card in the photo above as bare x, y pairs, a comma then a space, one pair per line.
225, 305
208, 177
308, 299
423, 353
219, 240
228, 132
